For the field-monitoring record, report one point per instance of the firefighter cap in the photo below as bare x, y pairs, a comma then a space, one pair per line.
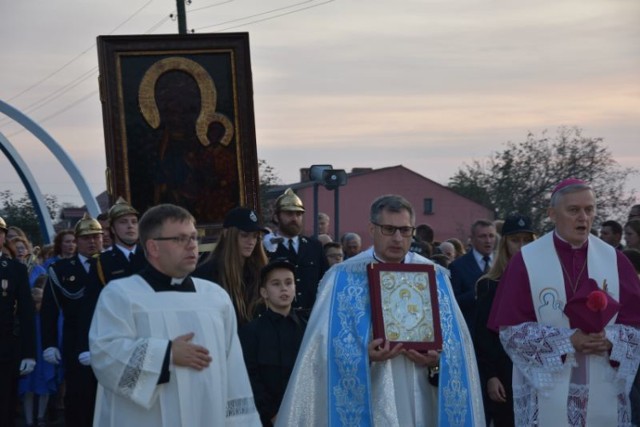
87, 226
288, 201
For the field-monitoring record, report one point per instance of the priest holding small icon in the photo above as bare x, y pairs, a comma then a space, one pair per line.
345, 377
567, 313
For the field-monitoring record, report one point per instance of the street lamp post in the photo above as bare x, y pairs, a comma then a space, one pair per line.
332, 179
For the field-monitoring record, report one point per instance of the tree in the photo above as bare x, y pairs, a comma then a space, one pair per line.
21, 213
521, 177
268, 179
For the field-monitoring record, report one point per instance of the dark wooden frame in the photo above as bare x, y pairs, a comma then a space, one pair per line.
125, 64
381, 294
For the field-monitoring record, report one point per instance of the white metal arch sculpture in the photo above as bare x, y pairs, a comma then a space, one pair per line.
27, 177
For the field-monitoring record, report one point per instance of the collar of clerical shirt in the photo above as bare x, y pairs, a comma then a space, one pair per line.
160, 282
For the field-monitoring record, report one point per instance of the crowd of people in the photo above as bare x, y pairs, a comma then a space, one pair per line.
273, 327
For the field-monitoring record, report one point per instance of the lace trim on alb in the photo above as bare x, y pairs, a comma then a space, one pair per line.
537, 351
242, 406
534, 347
525, 405
626, 351
132, 371
577, 404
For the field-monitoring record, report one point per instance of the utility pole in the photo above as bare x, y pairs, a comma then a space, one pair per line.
182, 17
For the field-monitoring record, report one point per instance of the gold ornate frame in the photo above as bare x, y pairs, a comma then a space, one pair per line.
404, 305
179, 122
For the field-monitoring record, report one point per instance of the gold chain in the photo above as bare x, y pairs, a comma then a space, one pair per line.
574, 285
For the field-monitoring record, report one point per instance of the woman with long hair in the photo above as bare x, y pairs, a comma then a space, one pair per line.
24, 253
493, 363
64, 246
632, 234
237, 259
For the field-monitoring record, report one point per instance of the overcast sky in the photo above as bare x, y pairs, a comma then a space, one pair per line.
424, 83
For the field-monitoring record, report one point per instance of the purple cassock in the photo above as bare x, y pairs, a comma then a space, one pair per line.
513, 304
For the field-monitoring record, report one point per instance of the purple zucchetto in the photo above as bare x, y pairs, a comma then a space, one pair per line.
567, 182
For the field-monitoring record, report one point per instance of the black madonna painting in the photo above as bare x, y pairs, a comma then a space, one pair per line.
179, 123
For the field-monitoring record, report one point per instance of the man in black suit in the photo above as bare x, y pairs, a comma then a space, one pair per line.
466, 270
611, 232
124, 258
304, 252
65, 292
17, 331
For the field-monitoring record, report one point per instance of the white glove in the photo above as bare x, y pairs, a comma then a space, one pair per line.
27, 366
52, 355
84, 358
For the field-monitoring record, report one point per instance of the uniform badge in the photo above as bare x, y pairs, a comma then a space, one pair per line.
4, 263
5, 285
253, 216
72, 278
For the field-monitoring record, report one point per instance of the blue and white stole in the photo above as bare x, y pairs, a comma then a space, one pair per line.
349, 386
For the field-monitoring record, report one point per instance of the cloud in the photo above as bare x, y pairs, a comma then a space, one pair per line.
430, 84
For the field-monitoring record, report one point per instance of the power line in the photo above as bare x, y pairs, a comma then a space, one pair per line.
55, 94
61, 91
210, 6
75, 58
264, 13
277, 16
83, 77
159, 23
74, 83
60, 111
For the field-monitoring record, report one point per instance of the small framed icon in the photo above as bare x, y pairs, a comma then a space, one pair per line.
404, 305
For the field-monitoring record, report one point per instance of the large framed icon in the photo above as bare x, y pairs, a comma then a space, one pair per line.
404, 305
179, 122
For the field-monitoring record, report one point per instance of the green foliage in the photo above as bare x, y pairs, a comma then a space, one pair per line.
268, 179
19, 212
520, 178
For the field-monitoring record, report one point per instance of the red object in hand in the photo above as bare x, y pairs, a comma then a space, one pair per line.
590, 309
597, 301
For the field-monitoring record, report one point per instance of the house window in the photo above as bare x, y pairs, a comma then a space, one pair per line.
428, 206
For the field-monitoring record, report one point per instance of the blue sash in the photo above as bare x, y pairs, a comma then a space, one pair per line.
454, 391
348, 370
348, 362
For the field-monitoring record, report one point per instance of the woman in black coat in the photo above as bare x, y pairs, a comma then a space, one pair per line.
493, 362
236, 261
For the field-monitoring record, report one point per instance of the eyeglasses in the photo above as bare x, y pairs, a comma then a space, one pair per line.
182, 240
390, 230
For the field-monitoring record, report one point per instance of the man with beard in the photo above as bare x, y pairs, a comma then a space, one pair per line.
66, 294
304, 252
